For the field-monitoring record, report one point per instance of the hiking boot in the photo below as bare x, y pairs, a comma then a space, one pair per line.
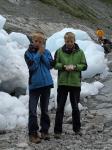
45, 136
78, 133
34, 138
57, 135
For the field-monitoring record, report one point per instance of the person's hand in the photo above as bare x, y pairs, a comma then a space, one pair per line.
69, 67
41, 49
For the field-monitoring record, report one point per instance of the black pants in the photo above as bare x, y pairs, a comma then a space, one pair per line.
62, 94
34, 95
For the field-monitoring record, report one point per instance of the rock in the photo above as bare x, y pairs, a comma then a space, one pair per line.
22, 145
104, 105
100, 127
90, 126
13, 90
108, 123
85, 100
10, 149
69, 120
89, 116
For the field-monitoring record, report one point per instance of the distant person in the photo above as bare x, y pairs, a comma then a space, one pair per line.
39, 62
107, 45
69, 61
100, 34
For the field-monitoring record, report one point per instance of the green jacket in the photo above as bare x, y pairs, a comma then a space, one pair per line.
76, 57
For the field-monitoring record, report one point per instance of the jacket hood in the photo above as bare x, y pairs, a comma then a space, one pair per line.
70, 50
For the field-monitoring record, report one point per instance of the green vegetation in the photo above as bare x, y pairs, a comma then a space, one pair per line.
107, 1
79, 11
49, 2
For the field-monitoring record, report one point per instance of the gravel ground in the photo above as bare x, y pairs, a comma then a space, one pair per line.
96, 135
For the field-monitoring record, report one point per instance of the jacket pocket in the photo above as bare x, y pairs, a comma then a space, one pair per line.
63, 76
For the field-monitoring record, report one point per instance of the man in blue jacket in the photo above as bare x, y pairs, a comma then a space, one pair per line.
39, 62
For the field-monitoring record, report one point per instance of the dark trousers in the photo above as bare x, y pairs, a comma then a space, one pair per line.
62, 94
34, 95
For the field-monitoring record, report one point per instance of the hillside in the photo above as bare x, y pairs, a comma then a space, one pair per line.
29, 14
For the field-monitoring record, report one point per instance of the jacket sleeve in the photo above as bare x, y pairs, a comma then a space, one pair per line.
57, 64
83, 64
32, 61
47, 59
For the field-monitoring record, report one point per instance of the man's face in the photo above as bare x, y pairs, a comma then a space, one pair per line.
69, 42
38, 42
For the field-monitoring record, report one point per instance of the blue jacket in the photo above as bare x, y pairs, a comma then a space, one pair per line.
39, 68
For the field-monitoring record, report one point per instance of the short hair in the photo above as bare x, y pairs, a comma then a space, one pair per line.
69, 35
38, 34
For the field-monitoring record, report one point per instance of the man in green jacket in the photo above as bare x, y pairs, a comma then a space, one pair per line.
69, 61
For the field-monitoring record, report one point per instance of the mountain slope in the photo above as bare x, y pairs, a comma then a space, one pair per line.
97, 11
93, 14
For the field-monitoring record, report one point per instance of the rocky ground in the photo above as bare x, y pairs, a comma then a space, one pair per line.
30, 25
97, 135
96, 127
